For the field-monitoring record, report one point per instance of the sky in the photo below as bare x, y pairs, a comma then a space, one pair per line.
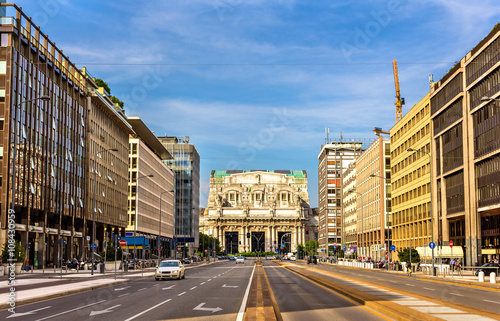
255, 83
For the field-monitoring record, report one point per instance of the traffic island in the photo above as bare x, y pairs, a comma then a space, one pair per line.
261, 305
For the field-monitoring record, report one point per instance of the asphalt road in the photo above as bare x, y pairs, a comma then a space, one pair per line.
300, 299
213, 292
478, 298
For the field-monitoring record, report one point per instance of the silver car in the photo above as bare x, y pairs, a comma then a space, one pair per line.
240, 259
170, 269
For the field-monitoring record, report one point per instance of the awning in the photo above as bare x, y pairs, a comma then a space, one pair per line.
440, 251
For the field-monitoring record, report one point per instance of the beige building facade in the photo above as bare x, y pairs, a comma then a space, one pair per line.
257, 210
410, 177
350, 217
374, 209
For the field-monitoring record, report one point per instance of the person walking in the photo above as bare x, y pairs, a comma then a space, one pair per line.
452, 264
408, 268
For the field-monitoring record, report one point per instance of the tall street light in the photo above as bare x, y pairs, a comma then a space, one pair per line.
136, 209
14, 150
387, 222
92, 245
362, 232
159, 232
430, 187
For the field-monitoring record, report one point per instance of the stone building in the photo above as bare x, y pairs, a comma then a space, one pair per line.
258, 209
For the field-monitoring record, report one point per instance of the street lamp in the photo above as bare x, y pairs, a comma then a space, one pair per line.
387, 222
430, 186
362, 232
92, 245
136, 214
14, 153
159, 231
486, 99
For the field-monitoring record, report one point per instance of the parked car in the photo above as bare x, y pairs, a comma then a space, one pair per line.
270, 257
488, 268
292, 258
240, 259
186, 261
170, 269
232, 258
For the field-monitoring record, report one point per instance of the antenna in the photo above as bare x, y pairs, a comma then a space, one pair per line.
341, 136
431, 79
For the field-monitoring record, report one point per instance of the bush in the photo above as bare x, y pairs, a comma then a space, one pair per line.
110, 253
405, 256
19, 252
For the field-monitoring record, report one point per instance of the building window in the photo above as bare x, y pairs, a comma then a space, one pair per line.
1, 152
4, 40
2, 95
3, 67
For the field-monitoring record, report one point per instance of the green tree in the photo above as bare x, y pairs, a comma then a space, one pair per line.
404, 256
110, 252
117, 101
312, 247
301, 250
207, 242
19, 252
101, 83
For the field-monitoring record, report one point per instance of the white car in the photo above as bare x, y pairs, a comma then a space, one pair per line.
170, 269
240, 259
292, 258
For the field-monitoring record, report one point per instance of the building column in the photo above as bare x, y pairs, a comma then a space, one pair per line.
268, 243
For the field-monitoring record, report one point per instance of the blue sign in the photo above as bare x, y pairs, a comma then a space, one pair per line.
322, 250
334, 247
355, 249
393, 247
432, 245
129, 234
93, 246
344, 248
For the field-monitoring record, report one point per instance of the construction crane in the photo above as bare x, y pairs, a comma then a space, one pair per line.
399, 101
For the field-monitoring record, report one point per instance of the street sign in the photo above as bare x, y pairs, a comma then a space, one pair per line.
355, 249
129, 234
334, 247
93, 246
123, 243
344, 248
451, 243
334, 243
432, 245
393, 247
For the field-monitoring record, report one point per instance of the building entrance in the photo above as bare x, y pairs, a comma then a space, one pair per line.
231, 242
258, 241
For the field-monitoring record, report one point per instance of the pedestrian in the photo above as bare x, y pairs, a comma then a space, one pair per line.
452, 264
408, 267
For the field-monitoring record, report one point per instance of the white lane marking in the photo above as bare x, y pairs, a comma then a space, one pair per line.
145, 311
202, 283
169, 287
438, 309
492, 301
156, 285
209, 280
245, 298
193, 288
181, 293
430, 289
120, 289
92, 313
56, 315
456, 294
393, 281
230, 286
18, 314
415, 303
141, 289
409, 284
199, 307
123, 295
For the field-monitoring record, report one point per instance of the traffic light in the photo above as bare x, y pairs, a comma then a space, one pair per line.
307, 231
248, 235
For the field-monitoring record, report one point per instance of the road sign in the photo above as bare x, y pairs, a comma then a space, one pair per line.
451, 243
432, 245
93, 246
355, 249
129, 234
334, 247
123, 243
334, 243
205, 250
393, 247
344, 248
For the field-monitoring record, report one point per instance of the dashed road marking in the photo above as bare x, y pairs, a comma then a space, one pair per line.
430, 289
141, 289
123, 295
202, 283
193, 288
409, 284
456, 294
209, 280
492, 301
181, 293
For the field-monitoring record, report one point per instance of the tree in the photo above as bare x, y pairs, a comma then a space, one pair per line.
207, 242
117, 101
18, 254
404, 256
101, 83
312, 247
301, 249
110, 253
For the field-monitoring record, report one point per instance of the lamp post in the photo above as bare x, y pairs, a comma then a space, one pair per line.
136, 210
14, 156
159, 229
430, 187
387, 222
92, 245
362, 232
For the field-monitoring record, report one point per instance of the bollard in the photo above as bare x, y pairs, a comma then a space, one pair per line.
481, 276
493, 278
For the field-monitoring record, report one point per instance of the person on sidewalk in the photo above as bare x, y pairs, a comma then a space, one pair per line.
408, 267
452, 264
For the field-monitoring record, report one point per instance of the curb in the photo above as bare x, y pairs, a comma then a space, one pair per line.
4, 306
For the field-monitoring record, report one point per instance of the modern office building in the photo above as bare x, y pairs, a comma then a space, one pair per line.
186, 167
258, 210
108, 128
466, 152
350, 217
151, 188
410, 177
374, 209
42, 143
333, 159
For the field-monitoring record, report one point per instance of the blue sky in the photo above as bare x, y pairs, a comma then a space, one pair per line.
255, 83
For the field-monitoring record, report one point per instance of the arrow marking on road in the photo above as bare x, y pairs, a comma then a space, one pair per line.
199, 307
230, 286
121, 289
103, 311
168, 287
17, 314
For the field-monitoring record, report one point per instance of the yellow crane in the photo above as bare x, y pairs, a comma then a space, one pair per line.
399, 101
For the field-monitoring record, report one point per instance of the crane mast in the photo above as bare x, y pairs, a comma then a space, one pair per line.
399, 104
